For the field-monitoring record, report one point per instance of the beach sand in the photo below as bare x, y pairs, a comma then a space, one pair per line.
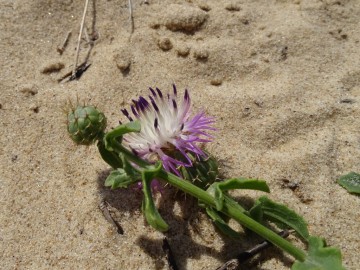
282, 79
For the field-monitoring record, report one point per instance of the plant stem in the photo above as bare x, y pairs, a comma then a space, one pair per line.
234, 213
228, 208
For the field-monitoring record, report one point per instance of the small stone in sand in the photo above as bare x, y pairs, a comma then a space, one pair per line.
216, 81
28, 90
183, 50
34, 108
52, 67
122, 61
233, 7
123, 58
201, 54
184, 18
165, 44
204, 6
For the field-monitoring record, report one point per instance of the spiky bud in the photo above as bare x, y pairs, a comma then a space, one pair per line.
86, 124
203, 172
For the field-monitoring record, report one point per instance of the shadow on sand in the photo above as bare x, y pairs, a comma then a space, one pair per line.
185, 227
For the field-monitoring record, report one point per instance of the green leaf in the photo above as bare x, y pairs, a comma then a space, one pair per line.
110, 158
221, 224
244, 183
320, 257
122, 177
351, 182
280, 214
256, 212
119, 179
114, 136
129, 169
148, 206
217, 189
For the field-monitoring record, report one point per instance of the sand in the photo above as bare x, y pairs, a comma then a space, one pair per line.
281, 77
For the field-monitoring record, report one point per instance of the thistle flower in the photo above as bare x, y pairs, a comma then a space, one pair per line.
168, 132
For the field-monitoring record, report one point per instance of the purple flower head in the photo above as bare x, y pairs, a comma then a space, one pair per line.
168, 131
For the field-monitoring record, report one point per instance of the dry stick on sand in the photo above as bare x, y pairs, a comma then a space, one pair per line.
131, 17
104, 208
79, 39
90, 40
93, 19
243, 256
91, 45
61, 49
80, 69
87, 37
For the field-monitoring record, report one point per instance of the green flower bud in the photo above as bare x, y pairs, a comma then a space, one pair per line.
203, 173
86, 124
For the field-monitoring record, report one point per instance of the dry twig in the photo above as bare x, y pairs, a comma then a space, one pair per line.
61, 49
104, 208
131, 17
243, 256
79, 71
79, 39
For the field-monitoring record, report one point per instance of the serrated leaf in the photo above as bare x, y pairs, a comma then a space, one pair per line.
351, 182
280, 214
119, 179
148, 206
221, 224
217, 189
320, 257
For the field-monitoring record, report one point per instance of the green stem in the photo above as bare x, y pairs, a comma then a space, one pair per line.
228, 209
234, 213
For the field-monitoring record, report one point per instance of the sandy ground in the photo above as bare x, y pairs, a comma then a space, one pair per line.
281, 77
